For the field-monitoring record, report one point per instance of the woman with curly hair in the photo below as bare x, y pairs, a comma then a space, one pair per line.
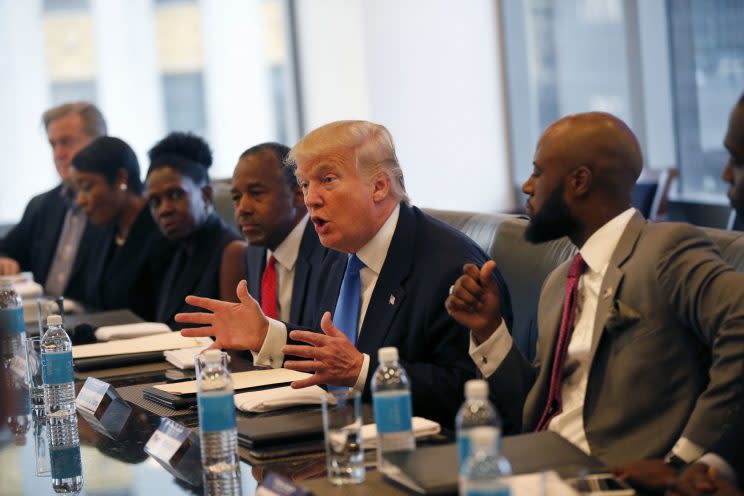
180, 199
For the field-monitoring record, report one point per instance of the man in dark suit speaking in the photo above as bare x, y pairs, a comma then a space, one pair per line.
640, 352
387, 289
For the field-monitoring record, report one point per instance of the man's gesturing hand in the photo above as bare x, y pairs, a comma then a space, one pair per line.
474, 300
332, 358
235, 326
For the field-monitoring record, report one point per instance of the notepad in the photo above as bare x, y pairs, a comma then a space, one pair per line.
131, 331
158, 342
241, 380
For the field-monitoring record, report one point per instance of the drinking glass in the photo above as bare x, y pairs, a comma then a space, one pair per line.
33, 366
46, 306
342, 427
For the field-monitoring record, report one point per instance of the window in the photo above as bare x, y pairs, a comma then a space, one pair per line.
707, 45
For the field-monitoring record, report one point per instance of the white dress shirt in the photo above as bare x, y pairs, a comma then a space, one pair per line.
286, 258
373, 256
596, 252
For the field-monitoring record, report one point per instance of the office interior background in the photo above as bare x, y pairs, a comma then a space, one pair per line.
465, 87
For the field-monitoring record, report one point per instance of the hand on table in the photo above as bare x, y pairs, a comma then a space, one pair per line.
9, 267
648, 475
474, 300
333, 359
237, 326
699, 479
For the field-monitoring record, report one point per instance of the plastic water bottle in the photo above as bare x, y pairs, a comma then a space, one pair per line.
391, 397
219, 436
484, 468
12, 329
477, 411
59, 407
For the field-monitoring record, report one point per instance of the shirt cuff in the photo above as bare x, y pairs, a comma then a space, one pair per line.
270, 354
362, 379
490, 353
713, 460
687, 450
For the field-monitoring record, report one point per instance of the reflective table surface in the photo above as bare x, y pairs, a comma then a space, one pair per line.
117, 466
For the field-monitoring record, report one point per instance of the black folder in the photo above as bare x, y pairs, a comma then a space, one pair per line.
434, 470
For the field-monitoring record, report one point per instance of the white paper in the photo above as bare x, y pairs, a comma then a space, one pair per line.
158, 342
129, 331
241, 380
268, 400
421, 428
539, 483
183, 358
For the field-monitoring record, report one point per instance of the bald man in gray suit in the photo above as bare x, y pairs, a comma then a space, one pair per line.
653, 351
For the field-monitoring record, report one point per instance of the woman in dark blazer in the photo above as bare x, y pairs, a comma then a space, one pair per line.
125, 267
180, 200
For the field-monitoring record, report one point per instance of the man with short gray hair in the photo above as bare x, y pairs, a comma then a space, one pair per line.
47, 240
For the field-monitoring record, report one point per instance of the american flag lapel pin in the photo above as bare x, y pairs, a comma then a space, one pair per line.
392, 300
607, 293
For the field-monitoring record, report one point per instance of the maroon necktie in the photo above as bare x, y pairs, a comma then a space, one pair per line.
268, 289
554, 404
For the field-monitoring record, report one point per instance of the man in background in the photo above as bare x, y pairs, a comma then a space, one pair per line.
282, 260
50, 240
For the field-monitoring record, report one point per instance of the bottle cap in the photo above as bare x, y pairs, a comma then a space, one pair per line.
387, 354
476, 389
483, 437
213, 355
54, 320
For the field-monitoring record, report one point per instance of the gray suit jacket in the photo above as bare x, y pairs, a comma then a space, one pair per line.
667, 350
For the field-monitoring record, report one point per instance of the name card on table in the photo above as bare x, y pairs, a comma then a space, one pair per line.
100, 404
278, 485
177, 449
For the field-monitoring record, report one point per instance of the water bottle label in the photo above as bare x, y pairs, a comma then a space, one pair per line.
499, 491
56, 367
65, 462
393, 412
11, 321
463, 448
216, 412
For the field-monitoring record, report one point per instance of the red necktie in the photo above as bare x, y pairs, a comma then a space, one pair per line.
554, 404
268, 289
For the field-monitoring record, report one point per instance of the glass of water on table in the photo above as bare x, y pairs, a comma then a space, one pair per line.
342, 427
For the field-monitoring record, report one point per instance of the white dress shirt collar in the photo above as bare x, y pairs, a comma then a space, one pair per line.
600, 246
287, 251
373, 254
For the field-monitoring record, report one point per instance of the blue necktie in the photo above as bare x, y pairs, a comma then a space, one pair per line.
349, 301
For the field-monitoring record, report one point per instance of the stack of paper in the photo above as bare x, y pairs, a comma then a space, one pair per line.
241, 380
158, 342
421, 428
129, 331
183, 358
268, 400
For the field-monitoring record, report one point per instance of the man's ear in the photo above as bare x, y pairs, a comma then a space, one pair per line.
380, 187
207, 194
298, 199
580, 181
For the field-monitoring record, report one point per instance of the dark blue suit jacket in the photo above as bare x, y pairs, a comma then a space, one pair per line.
307, 275
33, 241
407, 311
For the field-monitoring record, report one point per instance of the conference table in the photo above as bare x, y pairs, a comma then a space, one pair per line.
120, 466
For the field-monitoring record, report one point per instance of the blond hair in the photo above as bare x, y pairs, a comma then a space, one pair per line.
94, 125
371, 144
